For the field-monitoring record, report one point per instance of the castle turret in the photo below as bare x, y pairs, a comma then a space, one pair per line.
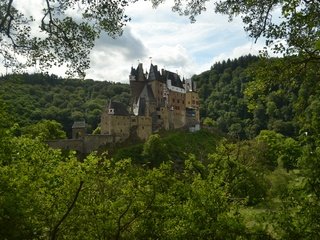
78, 129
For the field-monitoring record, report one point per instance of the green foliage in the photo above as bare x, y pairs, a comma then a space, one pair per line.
176, 146
296, 27
298, 215
45, 194
247, 95
279, 183
37, 186
244, 177
155, 151
31, 98
221, 90
279, 149
45, 130
209, 122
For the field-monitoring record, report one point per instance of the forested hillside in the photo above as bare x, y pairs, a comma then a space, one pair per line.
236, 99
33, 97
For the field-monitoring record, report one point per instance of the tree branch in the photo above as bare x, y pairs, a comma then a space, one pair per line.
56, 227
120, 217
8, 14
265, 19
127, 224
5, 25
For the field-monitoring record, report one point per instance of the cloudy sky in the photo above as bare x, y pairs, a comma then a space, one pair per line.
168, 40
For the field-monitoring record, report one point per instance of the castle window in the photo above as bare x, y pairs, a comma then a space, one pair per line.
178, 101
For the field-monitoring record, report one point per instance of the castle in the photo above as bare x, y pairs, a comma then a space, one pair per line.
160, 101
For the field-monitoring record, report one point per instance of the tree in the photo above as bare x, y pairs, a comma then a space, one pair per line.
297, 217
209, 122
45, 130
155, 151
39, 188
239, 167
64, 34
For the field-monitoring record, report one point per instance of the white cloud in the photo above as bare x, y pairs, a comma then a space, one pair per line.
245, 49
111, 59
171, 40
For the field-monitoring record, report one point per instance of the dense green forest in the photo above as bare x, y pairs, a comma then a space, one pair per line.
227, 92
252, 172
33, 97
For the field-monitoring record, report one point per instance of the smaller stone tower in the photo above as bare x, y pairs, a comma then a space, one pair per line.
78, 129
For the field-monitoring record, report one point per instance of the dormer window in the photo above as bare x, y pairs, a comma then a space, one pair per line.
111, 110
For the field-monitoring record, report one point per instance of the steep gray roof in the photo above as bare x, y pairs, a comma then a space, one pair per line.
154, 73
175, 79
79, 124
119, 108
138, 73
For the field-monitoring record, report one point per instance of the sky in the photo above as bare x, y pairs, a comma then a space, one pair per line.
170, 41
166, 39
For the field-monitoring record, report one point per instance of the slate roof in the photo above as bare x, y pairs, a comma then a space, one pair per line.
138, 73
154, 73
136, 89
119, 108
175, 79
142, 107
79, 124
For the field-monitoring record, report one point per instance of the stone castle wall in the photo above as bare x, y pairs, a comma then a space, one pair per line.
85, 144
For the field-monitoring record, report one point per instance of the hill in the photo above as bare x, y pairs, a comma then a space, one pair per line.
33, 97
241, 98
